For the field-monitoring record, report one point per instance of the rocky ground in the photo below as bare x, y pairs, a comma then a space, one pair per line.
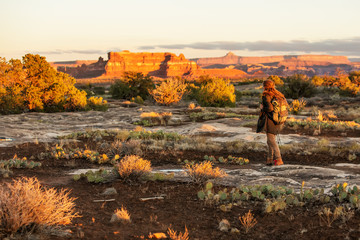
31, 133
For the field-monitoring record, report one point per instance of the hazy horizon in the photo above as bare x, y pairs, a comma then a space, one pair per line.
87, 29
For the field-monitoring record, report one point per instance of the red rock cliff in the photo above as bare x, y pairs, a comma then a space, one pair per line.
154, 64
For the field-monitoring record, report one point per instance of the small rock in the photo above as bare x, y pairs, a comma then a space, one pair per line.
234, 230
224, 225
109, 191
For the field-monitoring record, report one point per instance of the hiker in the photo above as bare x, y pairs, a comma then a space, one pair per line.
272, 117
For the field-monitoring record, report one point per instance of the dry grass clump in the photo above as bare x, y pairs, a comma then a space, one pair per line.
133, 167
121, 215
248, 221
201, 172
180, 236
25, 203
327, 217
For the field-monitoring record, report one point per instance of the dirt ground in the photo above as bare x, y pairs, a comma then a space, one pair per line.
180, 207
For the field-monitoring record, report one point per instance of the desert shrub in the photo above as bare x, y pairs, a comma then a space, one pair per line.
217, 92
133, 167
317, 80
204, 171
248, 221
138, 100
97, 103
154, 118
354, 77
178, 236
24, 203
131, 85
276, 79
297, 106
297, 86
121, 215
34, 85
192, 91
170, 91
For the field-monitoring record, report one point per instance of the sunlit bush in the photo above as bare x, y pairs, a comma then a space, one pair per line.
133, 167
34, 85
297, 106
169, 91
25, 202
217, 92
97, 103
276, 79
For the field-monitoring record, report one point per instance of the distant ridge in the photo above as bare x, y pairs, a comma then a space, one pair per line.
231, 66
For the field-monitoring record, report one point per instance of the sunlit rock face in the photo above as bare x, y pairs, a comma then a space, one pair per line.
153, 64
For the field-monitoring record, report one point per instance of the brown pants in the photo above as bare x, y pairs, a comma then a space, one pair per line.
273, 148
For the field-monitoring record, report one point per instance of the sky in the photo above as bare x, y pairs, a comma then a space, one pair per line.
87, 29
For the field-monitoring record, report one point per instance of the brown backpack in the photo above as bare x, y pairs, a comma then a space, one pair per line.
280, 112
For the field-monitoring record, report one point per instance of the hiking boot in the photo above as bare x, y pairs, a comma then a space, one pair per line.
278, 162
269, 162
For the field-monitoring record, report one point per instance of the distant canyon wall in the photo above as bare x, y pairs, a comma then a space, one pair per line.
164, 65
232, 59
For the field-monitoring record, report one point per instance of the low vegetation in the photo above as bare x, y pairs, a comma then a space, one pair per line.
202, 172
133, 167
169, 91
27, 206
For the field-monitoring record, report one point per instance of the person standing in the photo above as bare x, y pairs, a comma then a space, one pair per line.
271, 120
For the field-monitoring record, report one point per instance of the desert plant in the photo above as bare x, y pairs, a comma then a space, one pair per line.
297, 86
204, 171
133, 167
97, 103
170, 91
34, 85
217, 92
25, 205
178, 236
131, 85
276, 79
121, 215
154, 118
17, 162
297, 106
328, 217
248, 221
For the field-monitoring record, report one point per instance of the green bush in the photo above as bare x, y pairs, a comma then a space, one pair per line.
131, 85
216, 92
33, 85
297, 86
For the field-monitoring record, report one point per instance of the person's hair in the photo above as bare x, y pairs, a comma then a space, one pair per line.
269, 89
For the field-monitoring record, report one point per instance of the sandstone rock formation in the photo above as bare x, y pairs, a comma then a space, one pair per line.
81, 69
153, 64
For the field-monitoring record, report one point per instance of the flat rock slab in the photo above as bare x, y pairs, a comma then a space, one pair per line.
46, 127
287, 175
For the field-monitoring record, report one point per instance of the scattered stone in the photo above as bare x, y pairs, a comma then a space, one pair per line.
109, 191
224, 225
234, 230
